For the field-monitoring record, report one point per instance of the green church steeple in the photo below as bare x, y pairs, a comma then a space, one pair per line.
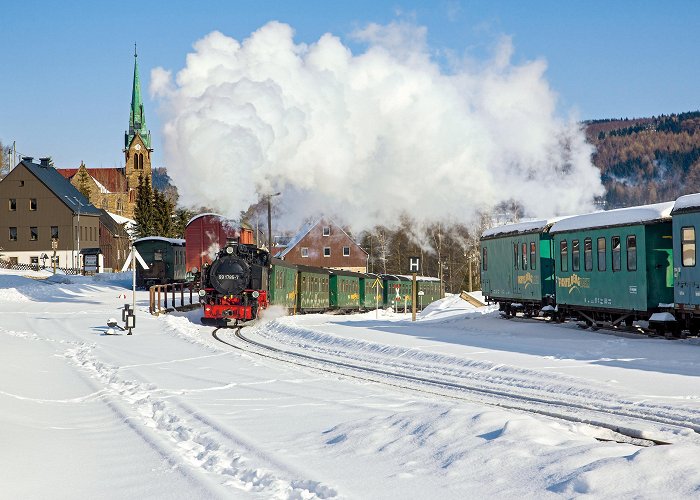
137, 117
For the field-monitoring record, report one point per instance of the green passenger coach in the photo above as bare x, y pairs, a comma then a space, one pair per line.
614, 266
517, 269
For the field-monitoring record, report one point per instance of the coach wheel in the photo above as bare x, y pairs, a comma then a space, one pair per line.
629, 322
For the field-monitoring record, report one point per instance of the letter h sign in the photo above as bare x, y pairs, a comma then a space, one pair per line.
414, 264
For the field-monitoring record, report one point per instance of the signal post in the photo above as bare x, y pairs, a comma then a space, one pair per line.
414, 269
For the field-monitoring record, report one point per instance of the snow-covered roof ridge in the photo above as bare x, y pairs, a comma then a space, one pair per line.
686, 203
174, 241
619, 217
100, 186
531, 226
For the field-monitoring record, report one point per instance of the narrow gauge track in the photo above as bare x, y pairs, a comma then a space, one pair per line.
553, 409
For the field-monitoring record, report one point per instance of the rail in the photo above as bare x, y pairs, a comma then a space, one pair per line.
158, 301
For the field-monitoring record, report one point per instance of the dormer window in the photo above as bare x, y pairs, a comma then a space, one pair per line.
326, 230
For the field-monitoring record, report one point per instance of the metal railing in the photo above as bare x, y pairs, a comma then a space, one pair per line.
159, 294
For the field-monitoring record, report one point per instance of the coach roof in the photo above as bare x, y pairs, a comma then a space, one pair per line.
645, 214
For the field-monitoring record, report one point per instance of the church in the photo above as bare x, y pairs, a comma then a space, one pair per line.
114, 189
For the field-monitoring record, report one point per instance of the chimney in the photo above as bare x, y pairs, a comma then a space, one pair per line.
45, 162
28, 159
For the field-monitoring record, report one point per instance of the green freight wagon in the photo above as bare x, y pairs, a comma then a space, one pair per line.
283, 280
429, 290
397, 292
344, 290
371, 295
165, 258
517, 269
614, 266
313, 289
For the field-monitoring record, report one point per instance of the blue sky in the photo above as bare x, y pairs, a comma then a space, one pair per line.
67, 66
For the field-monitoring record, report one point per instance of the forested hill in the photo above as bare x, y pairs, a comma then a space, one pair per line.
647, 160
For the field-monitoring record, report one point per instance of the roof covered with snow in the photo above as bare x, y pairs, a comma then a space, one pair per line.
620, 217
172, 241
687, 203
532, 226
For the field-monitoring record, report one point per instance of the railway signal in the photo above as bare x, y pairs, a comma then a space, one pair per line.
414, 269
376, 285
134, 255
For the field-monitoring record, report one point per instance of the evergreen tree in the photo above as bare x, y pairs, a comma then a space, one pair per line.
84, 181
163, 215
144, 210
182, 217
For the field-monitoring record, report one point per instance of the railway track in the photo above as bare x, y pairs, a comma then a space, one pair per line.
618, 426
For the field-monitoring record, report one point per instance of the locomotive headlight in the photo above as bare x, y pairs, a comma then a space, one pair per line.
255, 294
202, 293
229, 250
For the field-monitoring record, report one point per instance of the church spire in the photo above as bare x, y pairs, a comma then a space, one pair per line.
137, 117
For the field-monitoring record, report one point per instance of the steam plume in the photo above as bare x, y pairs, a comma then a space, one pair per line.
369, 136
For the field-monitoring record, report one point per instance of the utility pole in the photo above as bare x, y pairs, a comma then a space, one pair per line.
269, 221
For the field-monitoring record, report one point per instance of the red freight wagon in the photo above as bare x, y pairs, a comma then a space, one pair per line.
206, 234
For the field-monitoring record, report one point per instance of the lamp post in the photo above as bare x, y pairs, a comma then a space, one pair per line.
78, 203
269, 221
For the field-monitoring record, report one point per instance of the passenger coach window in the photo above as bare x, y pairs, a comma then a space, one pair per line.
601, 254
515, 255
575, 256
533, 256
563, 256
484, 261
631, 253
588, 254
615, 244
524, 247
688, 246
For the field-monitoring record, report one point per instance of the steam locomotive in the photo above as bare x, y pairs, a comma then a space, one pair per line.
234, 287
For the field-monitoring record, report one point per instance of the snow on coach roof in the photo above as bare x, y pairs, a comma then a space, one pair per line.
172, 241
533, 226
687, 203
618, 217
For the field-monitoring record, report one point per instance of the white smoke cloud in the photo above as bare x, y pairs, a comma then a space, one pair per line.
367, 137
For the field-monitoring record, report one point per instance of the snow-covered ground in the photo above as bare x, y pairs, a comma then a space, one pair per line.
170, 412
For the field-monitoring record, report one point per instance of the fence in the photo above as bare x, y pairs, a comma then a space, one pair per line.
159, 294
37, 267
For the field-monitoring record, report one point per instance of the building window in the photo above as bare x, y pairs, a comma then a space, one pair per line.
326, 251
346, 251
304, 252
533, 255
13, 204
34, 260
32, 204
13, 234
601, 254
54, 232
688, 246
632, 253
563, 256
326, 230
33, 233
575, 256
588, 254
615, 244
